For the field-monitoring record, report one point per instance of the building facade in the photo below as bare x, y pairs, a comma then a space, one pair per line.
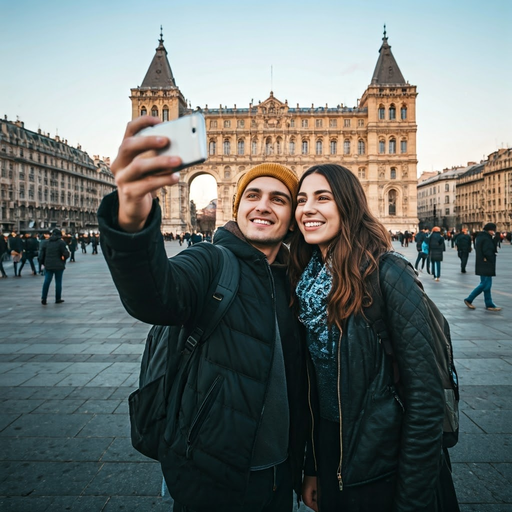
376, 140
45, 183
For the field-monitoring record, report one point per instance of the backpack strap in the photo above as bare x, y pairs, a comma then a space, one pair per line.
217, 303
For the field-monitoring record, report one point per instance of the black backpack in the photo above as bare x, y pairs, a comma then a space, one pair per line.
167, 353
375, 313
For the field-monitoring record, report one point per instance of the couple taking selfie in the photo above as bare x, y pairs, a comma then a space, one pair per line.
292, 391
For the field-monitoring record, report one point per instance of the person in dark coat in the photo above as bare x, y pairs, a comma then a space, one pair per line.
3, 252
54, 256
463, 243
419, 239
243, 454
73, 246
485, 267
436, 247
15, 243
31, 246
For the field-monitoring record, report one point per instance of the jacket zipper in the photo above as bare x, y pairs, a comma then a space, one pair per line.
312, 419
340, 480
200, 413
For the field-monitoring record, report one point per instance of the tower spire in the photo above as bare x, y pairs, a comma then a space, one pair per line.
159, 74
387, 70
161, 40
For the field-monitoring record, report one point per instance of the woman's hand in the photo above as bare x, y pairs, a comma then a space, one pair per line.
140, 172
309, 492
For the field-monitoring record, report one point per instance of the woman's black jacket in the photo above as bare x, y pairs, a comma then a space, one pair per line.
485, 261
436, 246
211, 463
54, 253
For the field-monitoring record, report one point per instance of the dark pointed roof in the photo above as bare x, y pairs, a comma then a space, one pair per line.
387, 70
159, 73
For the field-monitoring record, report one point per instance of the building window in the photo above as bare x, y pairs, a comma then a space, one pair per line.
346, 123
393, 173
382, 113
318, 123
392, 146
253, 123
319, 147
447, 211
346, 147
268, 146
292, 123
305, 148
447, 187
279, 146
403, 113
446, 199
392, 202
165, 114
227, 123
360, 123
333, 123
403, 146
292, 147
213, 124
226, 147
305, 123
382, 146
334, 147
361, 147
361, 173
241, 123
254, 147
392, 113
241, 147
154, 112
143, 111
213, 147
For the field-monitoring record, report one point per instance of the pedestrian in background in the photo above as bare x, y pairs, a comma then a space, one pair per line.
54, 256
419, 239
16, 246
463, 243
485, 267
30, 248
73, 246
436, 248
3, 252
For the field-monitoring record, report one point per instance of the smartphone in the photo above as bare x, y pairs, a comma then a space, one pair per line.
188, 138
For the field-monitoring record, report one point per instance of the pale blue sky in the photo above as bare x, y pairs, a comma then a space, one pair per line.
69, 66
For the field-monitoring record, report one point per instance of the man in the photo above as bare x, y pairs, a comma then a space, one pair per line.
31, 246
485, 267
463, 243
3, 252
54, 254
246, 452
419, 239
15, 243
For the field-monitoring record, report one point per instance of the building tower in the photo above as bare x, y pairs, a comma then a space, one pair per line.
392, 158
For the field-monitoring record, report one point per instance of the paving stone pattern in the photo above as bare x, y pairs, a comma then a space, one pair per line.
66, 371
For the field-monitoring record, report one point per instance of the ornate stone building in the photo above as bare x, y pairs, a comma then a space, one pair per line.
376, 140
46, 183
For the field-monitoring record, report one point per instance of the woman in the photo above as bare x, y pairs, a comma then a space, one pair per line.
436, 248
366, 453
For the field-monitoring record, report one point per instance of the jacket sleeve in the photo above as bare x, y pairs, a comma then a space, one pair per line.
153, 288
422, 390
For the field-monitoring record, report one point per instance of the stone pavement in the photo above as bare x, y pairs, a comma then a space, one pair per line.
66, 371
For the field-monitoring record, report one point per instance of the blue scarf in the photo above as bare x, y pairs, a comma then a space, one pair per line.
312, 290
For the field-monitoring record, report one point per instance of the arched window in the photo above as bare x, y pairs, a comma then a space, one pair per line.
254, 147
403, 146
392, 202
346, 147
392, 113
305, 147
241, 147
361, 173
319, 148
165, 113
382, 112
292, 147
143, 111
361, 147
403, 112
226, 147
382, 146
269, 149
393, 173
212, 147
334, 147
392, 146
154, 111
279, 146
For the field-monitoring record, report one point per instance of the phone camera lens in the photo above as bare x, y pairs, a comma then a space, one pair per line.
193, 130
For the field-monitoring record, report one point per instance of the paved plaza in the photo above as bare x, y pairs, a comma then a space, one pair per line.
66, 371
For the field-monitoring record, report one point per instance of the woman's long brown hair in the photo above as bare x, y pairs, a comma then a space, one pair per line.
353, 254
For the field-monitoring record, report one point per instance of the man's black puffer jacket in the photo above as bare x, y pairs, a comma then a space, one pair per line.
210, 463
379, 438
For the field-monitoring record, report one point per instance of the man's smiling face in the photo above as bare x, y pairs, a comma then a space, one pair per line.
265, 213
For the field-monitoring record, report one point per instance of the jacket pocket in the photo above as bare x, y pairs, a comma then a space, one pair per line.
202, 413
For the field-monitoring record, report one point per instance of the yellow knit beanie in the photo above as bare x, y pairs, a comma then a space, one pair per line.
277, 171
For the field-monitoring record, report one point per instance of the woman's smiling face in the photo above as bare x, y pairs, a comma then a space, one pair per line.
317, 214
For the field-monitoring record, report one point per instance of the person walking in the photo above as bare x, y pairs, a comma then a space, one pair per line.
246, 453
30, 248
436, 248
73, 246
419, 239
485, 267
16, 246
463, 244
54, 256
367, 452
3, 251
